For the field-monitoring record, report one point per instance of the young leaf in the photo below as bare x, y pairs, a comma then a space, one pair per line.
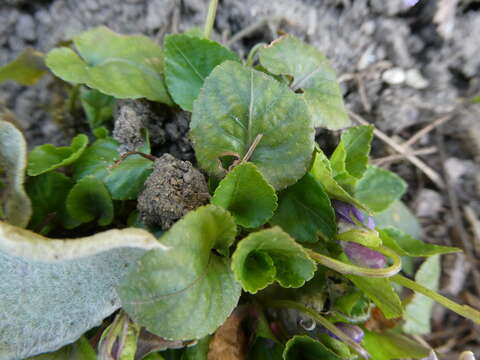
247, 195
89, 199
96, 159
271, 255
245, 113
399, 215
302, 347
98, 107
47, 287
15, 206
45, 158
119, 340
26, 69
405, 245
350, 158
379, 188
389, 346
418, 311
123, 66
188, 290
80, 350
188, 61
313, 75
305, 212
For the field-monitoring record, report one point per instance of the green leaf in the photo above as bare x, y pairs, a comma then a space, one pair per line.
418, 311
305, 212
247, 195
98, 107
350, 158
125, 180
323, 173
271, 255
55, 290
15, 206
26, 69
48, 193
265, 349
96, 159
389, 346
199, 351
405, 245
123, 66
80, 350
302, 347
188, 61
89, 199
381, 292
379, 188
188, 290
238, 106
399, 216
313, 75
45, 158
120, 338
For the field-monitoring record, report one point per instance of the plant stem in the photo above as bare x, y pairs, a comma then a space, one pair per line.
253, 52
127, 154
464, 310
322, 321
350, 269
212, 11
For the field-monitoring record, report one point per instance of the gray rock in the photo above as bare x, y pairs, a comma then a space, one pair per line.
428, 203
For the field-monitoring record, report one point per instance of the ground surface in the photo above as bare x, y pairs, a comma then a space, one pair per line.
402, 67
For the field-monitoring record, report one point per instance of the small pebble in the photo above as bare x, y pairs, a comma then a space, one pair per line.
394, 76
415, 79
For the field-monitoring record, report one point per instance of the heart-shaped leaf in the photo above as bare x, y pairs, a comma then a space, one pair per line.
305, 212
123, 66
245, 113
96, 159
271, 255
55, 290
188, 290
26, 69
188, 61
247, 195
302, 347
15, 206
45, 158
313, 75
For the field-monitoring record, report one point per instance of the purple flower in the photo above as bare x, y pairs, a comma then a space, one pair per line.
346, 212
352, 331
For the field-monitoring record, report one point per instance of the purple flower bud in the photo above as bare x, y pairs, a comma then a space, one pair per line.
363, 256
346, 212
352, 331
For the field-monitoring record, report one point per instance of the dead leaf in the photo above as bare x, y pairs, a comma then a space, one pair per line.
377, 321
230, 341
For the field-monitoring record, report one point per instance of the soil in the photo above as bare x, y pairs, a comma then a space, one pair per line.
403, 65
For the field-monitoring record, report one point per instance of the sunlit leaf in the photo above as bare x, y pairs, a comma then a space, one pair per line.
26, 69
389, 346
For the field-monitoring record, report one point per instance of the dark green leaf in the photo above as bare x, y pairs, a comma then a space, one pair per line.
271, 255
188, 61
238, 106
405, 245
98, 107
26, 69
379, 188
399, 216
265, 349
80, 350
89, 199
199, 351
96, 159
187, 290
123, 66
389, 346
47, 157
247, 195
313, 75
305, 212
302, 347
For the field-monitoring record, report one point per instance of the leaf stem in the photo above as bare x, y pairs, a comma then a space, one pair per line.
322, 321
252, 148
128, 153
253, 52
464, 310
212, 11
350, 269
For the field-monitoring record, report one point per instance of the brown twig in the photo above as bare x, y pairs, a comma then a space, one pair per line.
386, 159
128, 153
425, 130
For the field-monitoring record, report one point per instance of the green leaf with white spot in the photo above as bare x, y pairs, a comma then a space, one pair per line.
271, 255
302, 347
123, 66
96, 159
15, 206
45, 158
379, 188
88, 200
305, 212
240, 109
188, 61
26, 69
247, 195
187, 290
313, 75
389, 345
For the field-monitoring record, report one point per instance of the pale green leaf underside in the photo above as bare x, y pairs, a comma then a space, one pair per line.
26, 69
187, 291
237, 105
389, 345
313, 74
399, 215
15, 206
55, 290
123, 66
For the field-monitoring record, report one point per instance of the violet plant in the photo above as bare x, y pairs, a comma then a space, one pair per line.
286, 228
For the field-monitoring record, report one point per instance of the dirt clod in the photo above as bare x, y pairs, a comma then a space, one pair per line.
174, 188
